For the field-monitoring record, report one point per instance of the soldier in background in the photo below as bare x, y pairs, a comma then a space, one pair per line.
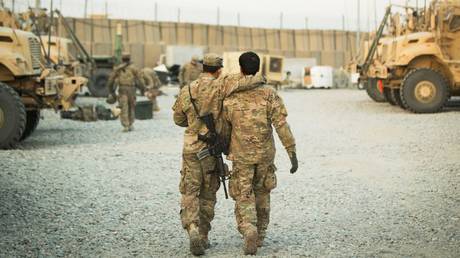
190, 71
152, 87
199, 181
126, 77
251, 115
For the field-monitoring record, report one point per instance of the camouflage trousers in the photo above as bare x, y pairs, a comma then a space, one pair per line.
127, 104
250, 187
198, 187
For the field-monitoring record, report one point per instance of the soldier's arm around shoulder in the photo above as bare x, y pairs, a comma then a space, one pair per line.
237, 83
278, 115
179, 116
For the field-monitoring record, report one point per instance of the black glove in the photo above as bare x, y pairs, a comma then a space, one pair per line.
294, 162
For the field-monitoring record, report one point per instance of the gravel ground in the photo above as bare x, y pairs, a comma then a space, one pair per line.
374, 181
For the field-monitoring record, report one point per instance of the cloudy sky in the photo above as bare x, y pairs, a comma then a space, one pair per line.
321, 14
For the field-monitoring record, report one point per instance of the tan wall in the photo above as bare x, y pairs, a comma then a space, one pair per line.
329, 47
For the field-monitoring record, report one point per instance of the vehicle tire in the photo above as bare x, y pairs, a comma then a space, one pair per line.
33, 118
373, 90
395, 94
97, 85
12, 117
388, 96
424, 91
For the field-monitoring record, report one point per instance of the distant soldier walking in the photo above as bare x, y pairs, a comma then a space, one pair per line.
152, 86
199, 181
190, 71
252, 115
126, 77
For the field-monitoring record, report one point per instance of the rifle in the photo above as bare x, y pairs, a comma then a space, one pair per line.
215, 148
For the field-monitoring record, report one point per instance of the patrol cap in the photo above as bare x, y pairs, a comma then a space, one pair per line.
212, 59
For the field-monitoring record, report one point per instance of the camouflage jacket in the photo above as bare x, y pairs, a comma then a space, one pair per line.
151, 79
208, 94
125, 77
188, 73
252, 114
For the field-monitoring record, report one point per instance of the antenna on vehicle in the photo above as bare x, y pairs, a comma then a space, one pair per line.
49, 34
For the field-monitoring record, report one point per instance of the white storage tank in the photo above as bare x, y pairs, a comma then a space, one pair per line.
322, 77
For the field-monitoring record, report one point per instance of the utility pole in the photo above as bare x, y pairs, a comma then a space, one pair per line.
178, 15
368, 17
238, 18
38, 4
218, 15
343, 22
306, 23
12, 3
375, 14
106, 9
86, 9
358, 29
281, 20
156, 11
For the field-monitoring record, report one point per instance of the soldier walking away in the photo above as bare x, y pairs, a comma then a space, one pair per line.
126, 77
190, 72
152, 87
199, 180
252, 115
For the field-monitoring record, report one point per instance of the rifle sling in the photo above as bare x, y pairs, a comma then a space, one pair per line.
193, 101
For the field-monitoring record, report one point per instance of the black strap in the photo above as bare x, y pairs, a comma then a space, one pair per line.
193, 100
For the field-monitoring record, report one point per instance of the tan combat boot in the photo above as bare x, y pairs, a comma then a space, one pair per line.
205, 241
131, 128
260, 241
260, 238
196, 244
125, 129
250, 241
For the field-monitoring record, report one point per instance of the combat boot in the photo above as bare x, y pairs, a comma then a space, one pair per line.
131, 128
196, 244
260, 238
125, 129
250, 241
205, 241
260, 241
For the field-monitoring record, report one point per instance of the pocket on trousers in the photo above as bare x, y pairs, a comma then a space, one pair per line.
270, 181
182, 182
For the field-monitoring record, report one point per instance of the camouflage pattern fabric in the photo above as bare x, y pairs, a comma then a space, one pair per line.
152, 86
197, 178
250, 187
189, 73
251, 115
127, 105
198, 187
209, 94
126, 77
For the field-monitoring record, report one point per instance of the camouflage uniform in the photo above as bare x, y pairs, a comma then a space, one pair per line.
199, 182
127, 78
251, 115
152, 86
189, 72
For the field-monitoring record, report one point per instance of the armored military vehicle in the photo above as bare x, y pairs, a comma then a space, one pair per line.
419, 69
27, 86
